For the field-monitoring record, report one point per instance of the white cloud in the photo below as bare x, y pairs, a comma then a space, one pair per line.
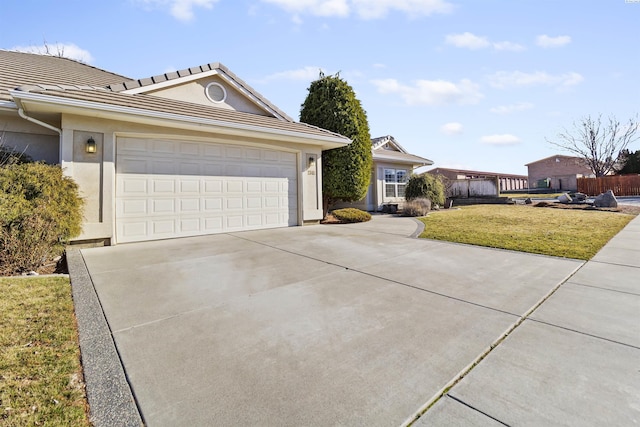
471, 41
432, 92
507, 109
182, 10
453, 128
504, 79
365, 9
67, 50
503, 139
374, 9
308, 73
379, 65
467, 40
547, 41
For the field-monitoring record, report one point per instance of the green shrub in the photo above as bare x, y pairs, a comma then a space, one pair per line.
351, 215
417, 207
425, 186
40, 210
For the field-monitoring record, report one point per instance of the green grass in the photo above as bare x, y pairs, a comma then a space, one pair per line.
566, 233
40, 374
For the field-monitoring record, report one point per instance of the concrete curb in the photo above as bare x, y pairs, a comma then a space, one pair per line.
111, 401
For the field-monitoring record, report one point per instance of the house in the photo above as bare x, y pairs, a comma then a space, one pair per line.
507, 182
185, 153
558, 172
392, 166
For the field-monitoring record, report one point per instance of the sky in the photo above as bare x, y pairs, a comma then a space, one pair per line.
469, 84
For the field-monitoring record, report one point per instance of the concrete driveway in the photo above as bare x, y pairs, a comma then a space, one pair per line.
319, 325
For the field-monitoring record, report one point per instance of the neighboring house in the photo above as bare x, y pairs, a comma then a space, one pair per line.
557, 173
185, 153
508, 182
392, 166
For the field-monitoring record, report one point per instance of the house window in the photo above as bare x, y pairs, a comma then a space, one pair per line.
215, 92
395, 181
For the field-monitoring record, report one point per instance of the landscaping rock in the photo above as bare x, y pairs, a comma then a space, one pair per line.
579, 197
528, 201
565, 198
606, 200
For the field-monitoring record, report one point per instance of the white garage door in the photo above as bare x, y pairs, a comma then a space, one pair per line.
168, 189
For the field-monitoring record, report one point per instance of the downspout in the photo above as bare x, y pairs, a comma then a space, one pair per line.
22, 114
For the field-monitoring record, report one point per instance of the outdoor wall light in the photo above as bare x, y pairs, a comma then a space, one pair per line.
91, 146
312, 160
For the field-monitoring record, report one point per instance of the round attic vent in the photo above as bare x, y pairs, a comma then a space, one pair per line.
215, 92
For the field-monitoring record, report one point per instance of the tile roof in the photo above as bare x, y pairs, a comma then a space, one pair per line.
66, 79
396, 156
180, 109
479, 173
18, 68
194, 71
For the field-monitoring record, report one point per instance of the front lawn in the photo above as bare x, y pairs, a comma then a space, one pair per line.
40, 374
557, 232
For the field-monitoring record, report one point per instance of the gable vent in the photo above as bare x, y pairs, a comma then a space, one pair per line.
215, 92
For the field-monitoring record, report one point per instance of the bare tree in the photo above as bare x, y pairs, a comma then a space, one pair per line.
598, 144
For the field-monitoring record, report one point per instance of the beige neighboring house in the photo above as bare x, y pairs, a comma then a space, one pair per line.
507, 182
185, 153
392, 166
558, 173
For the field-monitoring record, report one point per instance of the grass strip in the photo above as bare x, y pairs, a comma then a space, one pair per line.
40, 373
567, 233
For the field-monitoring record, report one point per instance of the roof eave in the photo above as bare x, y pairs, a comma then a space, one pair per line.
115, 112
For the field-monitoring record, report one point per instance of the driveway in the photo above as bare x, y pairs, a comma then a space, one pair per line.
320, 325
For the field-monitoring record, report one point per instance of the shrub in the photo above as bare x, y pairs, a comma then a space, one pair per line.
351, 215
425, 186
417, 207
11, 156
40, 210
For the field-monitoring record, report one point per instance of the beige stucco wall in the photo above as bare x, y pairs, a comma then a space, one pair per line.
95, 172
195, 92
40, 143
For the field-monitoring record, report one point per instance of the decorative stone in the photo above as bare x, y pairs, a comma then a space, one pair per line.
564, 198
606, 200
528, 201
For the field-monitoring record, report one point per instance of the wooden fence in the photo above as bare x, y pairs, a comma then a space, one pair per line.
621, 185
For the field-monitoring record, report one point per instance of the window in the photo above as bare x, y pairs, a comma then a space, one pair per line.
395, 181
215, 92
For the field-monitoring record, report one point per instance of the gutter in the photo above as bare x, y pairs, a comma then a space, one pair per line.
22, 114
129, 111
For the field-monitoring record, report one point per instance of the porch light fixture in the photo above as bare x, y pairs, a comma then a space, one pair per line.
91, 146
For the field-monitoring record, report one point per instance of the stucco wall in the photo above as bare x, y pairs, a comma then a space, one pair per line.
38, 142
195, 92
94, 172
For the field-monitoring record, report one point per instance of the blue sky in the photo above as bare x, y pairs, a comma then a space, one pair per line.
468, 84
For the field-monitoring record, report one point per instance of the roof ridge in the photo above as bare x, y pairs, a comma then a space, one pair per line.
193, 71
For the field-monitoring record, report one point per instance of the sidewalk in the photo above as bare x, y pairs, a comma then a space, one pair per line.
574, 361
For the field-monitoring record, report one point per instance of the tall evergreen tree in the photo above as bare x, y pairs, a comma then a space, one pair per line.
332, 104
630, 161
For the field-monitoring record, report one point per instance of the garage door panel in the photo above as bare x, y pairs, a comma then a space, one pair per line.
170, 189
189, 205
163, 186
